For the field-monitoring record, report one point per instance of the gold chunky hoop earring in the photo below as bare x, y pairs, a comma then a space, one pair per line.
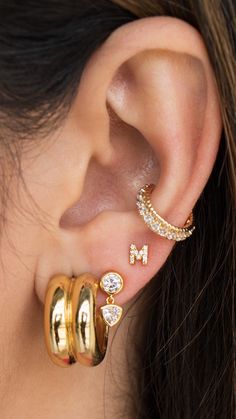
74, 328
156, 223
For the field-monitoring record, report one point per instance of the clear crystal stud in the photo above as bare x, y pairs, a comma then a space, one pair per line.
111, 283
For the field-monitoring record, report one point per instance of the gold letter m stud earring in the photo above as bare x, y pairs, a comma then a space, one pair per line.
135, 254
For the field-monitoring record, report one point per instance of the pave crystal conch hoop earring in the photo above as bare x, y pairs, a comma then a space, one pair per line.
156, 223
74, 328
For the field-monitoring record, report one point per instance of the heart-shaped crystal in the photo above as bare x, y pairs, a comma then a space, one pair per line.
111, 314
111, 283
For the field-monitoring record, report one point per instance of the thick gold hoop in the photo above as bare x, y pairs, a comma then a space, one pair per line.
74, 328
156, 223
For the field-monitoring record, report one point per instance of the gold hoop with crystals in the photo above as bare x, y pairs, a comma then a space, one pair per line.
156, 223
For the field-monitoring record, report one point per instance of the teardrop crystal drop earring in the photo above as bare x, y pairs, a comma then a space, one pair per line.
111, 283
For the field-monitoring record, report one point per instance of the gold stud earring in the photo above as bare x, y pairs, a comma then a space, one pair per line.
111, 283
156, 223
74, 329
135, 254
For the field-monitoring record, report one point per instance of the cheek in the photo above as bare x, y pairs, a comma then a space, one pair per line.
20, 247
21, 243
20, 326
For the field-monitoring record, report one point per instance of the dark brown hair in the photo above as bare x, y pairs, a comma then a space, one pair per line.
187, 313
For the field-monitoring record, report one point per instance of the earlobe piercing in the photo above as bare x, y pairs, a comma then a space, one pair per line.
111, 283
135, 254
156, 223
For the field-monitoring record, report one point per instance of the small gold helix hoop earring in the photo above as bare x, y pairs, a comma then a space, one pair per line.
156, 223
111, 283
74, 328
135, 254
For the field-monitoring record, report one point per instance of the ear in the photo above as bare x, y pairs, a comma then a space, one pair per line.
146, 111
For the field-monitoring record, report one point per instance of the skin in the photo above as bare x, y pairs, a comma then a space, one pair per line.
163, 125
